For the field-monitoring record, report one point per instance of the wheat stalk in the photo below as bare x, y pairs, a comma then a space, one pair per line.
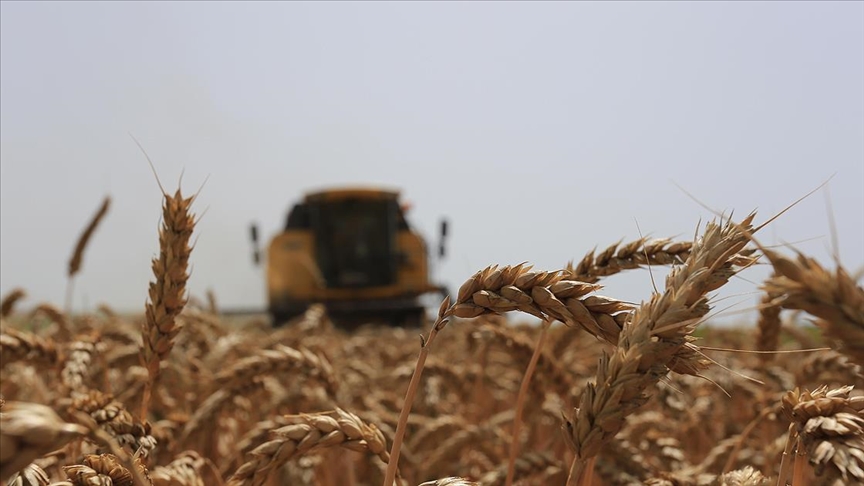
769, 326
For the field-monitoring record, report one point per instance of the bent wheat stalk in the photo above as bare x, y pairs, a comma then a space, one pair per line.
833, 297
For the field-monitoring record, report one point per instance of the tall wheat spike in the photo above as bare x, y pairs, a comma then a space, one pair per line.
651, 342
78, 253
168, 291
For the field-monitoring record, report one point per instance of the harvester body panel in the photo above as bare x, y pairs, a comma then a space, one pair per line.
353, 251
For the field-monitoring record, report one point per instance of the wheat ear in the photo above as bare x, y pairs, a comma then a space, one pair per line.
833, 297
830, 428
636, 254
9, 301
168, 292
306, 433
28, 431
650, 343
80, 245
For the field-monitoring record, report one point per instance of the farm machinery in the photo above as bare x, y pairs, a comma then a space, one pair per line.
352, 250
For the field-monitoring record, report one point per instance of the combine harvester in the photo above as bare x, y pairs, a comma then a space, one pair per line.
352, 250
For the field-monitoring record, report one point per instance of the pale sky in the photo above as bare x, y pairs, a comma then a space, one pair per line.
539, 129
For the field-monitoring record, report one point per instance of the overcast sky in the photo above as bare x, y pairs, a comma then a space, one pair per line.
539, 129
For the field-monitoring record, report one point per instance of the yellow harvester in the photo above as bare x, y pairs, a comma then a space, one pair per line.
352, 250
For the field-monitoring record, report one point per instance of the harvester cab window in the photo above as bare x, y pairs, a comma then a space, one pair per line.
298, 218
355, 241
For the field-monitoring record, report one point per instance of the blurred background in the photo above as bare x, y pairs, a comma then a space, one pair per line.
540, 130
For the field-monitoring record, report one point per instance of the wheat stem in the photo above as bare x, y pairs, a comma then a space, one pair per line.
520, 403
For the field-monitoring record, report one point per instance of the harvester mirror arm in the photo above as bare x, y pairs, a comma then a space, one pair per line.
256, 252
442, 250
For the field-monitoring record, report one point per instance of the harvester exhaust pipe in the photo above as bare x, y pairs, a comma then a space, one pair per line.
256, 252
442, 251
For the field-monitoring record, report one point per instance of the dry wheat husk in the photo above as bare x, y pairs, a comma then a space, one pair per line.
546, 295
651, 343
57, 316
9, 300
830, 424
305, 434
746, 476
828, 368
449, 481
81, 244
103, 469
23, 346
29, 430
32, 475
302, 362
167, 294
76, 370
833, 297
184, 470
112, 417
636, 254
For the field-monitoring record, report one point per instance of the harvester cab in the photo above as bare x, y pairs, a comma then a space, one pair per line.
353, 251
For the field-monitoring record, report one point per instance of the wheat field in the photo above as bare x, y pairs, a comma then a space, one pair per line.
601, 392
